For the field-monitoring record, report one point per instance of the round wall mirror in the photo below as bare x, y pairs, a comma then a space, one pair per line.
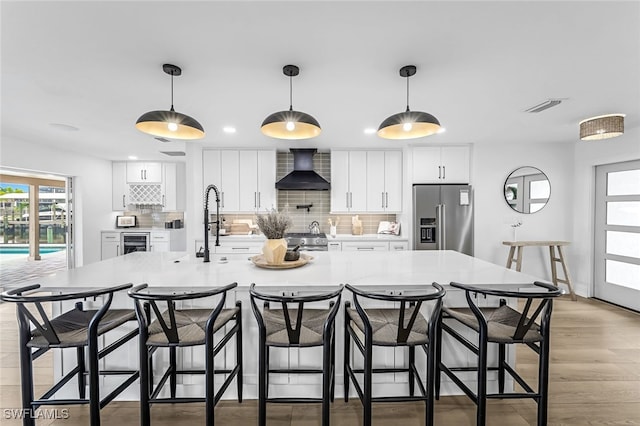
527, 190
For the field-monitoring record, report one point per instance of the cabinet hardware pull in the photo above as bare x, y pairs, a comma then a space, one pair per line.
222, 199
386, 196
444, 172
351, 200
141, 175
163, 203
145, 175
439, 172
239, 248
259, 201
123, 203
117, 249
365, 248
255, 200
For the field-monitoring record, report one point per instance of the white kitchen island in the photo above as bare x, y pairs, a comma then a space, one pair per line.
387, 271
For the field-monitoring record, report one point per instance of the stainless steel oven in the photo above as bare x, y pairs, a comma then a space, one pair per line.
134, 241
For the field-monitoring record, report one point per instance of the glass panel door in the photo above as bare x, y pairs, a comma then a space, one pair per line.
617, 234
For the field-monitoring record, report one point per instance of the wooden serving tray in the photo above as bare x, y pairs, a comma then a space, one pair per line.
260, 262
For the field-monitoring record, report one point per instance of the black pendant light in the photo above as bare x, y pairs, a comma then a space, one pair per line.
408, 124
290, 124
170, 124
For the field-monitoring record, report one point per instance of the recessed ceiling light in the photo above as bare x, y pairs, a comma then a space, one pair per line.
229, 129
65, 127
133, 157
369, 131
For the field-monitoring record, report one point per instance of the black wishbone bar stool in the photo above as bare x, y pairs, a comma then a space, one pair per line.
77, 328
402, 326
294, 324
163, 325
502, 325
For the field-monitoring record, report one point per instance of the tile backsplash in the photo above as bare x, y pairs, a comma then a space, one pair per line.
150, 218
288, 201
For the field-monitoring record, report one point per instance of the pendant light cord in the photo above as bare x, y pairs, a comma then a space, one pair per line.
290, 93
407, 93
172, 91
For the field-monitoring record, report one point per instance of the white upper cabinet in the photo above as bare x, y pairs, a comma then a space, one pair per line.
246, 178
348, 181
119, 187
384, 181
436, 164
267, 194
144, 172
366, 181
162, 190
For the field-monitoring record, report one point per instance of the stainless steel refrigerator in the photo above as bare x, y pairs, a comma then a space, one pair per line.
443, 218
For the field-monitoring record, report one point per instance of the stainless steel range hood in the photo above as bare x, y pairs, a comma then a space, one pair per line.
303, 177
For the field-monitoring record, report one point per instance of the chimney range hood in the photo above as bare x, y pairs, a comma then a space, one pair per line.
303, 177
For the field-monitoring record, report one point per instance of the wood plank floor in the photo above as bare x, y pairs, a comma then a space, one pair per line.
595, 380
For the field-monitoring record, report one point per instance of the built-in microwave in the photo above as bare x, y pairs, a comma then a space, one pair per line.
134, 241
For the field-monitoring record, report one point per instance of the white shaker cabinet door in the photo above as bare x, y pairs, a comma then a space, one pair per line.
358, 181
267, 195
393, 181
426, 165
339, 181
455, 164
375, 181
248, 179
119, 187
229, 182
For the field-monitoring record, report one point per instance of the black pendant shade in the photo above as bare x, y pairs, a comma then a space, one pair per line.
290, 124
408, 124
170, 124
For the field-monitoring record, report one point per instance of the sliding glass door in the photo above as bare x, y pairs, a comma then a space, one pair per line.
617, 234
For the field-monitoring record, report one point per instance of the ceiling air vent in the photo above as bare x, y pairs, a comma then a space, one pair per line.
549, 103
173, 153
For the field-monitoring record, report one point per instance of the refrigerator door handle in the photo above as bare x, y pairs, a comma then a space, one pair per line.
443, 219
439, 228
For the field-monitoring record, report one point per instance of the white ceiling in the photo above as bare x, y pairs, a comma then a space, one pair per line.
97, 66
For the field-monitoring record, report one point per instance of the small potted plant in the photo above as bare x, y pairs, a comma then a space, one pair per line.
273, 225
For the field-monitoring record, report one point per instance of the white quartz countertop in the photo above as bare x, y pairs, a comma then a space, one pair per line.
181, 269
142, 229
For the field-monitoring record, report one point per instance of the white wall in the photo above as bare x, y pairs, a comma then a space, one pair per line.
491, 164
92, 191
587, 156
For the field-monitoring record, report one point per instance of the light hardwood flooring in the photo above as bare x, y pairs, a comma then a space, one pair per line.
595, 380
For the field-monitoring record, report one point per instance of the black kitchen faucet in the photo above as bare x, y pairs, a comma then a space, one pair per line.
206, 219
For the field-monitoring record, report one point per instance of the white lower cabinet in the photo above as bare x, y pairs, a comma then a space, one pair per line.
160, 241
398, 245
365, 246
231, 247
110, 245
334, 246
250, 247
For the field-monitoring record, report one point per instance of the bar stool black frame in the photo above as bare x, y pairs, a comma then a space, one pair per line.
77, 328
171, 337
502, 326
407, 317
294, 338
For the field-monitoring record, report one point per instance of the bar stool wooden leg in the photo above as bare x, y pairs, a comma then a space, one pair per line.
510, 259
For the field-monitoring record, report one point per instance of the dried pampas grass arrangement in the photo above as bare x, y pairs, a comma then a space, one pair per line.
273, 224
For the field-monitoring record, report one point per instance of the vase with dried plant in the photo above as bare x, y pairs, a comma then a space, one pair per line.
273, 225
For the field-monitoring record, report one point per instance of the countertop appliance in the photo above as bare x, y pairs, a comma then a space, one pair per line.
126, 221
134, 241
443, 218
307, 241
